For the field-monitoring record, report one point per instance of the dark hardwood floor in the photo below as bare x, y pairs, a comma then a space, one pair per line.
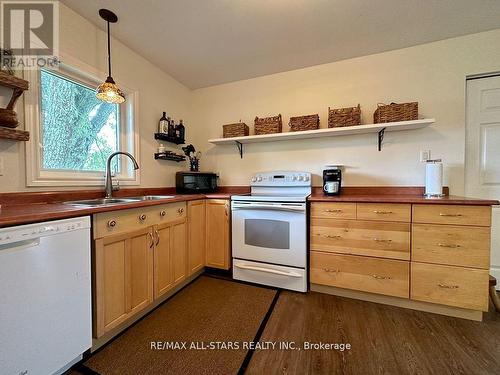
384, 339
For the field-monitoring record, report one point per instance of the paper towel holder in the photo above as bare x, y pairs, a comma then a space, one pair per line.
433, 188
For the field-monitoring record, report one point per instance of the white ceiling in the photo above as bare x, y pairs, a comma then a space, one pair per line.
207, 42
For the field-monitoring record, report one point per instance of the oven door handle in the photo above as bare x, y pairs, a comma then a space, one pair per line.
271, 207
268, 270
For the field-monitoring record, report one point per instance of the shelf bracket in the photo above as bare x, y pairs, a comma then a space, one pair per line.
381, 134
240, 148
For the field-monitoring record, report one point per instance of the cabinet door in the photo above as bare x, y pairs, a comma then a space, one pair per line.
179, 251
170, 260
196, 236
218, 251
163, 277
123, 277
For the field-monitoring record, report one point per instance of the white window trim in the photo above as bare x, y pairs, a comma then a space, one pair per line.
35, 175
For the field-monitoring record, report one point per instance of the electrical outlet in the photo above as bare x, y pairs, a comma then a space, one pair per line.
425, 155
1, 166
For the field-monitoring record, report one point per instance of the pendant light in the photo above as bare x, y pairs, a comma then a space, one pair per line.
108, 91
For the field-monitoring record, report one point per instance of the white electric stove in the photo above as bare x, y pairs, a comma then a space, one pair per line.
269, 234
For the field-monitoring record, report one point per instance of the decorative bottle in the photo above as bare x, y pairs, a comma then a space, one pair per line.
171, 127
180, 130
163, 124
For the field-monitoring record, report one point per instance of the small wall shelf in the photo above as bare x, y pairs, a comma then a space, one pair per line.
380, 129
172, 157
13, 134
167, 138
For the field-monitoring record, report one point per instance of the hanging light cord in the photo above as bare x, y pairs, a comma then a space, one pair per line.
109, 51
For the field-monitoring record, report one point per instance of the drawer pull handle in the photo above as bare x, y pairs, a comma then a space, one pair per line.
448, 286
330, 236
112, 223
180, 211
378, 277
381, 240
337, 210
142, 217
450, 215
329, 270
382, 212
450, 246
163, 213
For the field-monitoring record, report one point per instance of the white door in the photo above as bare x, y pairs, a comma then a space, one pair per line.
482, 160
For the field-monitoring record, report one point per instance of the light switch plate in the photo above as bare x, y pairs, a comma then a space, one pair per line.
425, 155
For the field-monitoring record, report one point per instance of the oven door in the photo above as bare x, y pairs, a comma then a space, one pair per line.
271, 232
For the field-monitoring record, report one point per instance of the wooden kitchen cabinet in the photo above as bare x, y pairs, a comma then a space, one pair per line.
196, 235
432, 257
123, 277
170, 255
137, 259
218, 251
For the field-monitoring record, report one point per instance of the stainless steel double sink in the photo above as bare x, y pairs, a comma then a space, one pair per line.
113, 201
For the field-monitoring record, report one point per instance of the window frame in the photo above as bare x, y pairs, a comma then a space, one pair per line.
129, 139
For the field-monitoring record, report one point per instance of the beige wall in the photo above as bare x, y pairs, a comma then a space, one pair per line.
432, 74
157, 92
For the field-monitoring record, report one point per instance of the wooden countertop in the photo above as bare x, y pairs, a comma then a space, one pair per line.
413, 195
25, 208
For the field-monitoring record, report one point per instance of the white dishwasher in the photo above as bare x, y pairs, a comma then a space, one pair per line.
45, 296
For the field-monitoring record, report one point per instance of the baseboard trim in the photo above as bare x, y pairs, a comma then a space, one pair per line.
108, 336
400, 302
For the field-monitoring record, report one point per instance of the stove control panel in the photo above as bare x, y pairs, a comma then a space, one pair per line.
282, 178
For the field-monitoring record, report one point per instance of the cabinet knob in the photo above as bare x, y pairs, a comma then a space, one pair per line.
180, 211
142, 217
112, 223
163, 213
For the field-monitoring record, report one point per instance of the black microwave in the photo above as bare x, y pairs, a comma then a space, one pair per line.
195, 182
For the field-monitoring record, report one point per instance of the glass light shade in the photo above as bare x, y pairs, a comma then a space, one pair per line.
110, 93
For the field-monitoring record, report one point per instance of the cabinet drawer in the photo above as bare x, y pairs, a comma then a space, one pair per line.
116, 222
382, 276
453, 245
446, 285
384, 212
334, 210
452, 214
386, 240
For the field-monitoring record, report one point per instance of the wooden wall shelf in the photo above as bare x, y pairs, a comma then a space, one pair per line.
13, 134
379, 129
13, 82
8, 116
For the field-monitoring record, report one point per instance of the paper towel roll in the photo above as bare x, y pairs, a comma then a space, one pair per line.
434, 179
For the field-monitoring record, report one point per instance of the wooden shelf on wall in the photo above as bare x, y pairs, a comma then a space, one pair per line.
18, 85
13, 82
379, 129
13, 134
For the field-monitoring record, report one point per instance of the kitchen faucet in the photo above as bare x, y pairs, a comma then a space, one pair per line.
109, 182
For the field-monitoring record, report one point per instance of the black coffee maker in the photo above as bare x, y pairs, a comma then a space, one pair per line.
332, 180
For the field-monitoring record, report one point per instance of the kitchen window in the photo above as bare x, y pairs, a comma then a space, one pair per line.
73, 133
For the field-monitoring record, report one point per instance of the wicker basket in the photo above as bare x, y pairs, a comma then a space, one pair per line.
239, 129
340, 117
396, 112
300, 123
268, 125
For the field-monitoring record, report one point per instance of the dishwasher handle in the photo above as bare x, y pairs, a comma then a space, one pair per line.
20, 245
